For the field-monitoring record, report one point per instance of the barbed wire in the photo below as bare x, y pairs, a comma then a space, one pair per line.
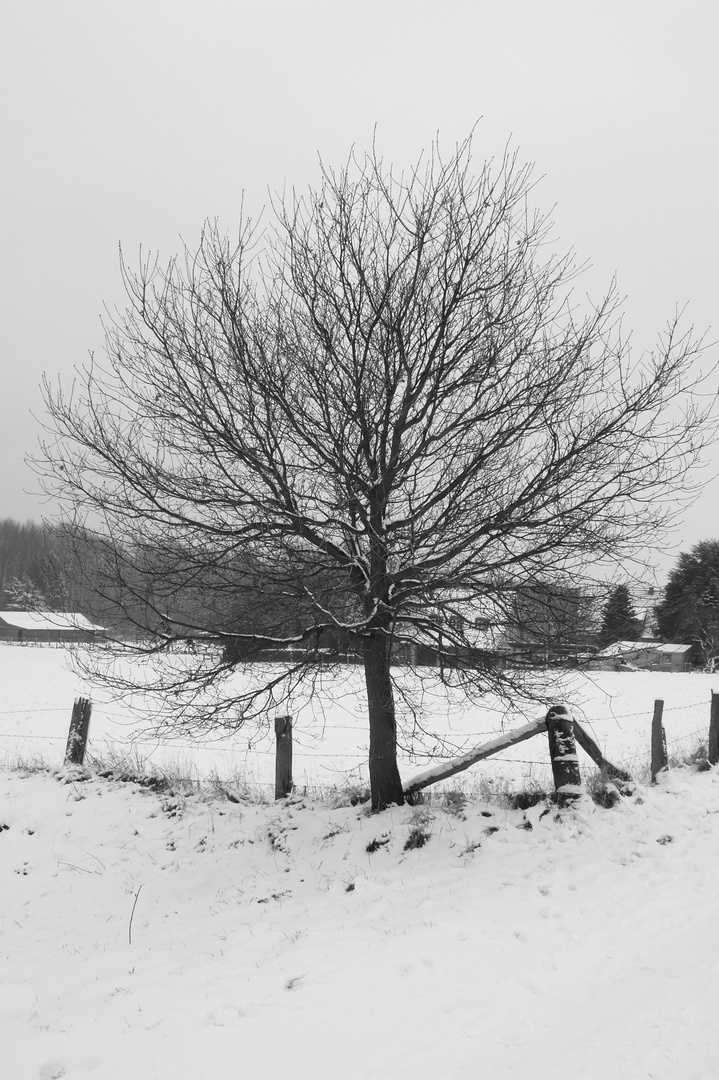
690, 735
444, 751
23, 712
111, 714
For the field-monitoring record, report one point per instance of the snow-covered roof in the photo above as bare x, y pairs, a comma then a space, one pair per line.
621, 647
48, 620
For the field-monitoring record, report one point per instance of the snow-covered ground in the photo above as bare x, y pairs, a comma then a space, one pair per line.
144, 936
152, 936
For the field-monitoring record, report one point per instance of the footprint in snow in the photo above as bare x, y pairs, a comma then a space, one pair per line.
224, 1015
67, 1067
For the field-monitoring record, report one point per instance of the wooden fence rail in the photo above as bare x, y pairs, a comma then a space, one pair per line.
464, 761
590, 748
562, 728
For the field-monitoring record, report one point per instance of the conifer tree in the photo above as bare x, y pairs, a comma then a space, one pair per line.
619, 619
690, 609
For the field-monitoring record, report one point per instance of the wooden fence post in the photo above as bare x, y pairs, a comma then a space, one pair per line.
589, 746
563, 752
79, 727
659, 741
283, 756
713, 747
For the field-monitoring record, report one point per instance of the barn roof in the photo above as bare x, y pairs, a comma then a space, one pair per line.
48, 620
621, 647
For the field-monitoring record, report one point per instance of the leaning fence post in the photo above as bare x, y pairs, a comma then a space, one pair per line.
659, 742
563, 753
283, 756
713, 748
588, 744
79, 727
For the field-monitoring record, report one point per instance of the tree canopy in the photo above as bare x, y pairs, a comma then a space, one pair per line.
388, 404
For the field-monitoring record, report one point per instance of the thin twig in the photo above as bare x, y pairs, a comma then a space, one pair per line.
132, 913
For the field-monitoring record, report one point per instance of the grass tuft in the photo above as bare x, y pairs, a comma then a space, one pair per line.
455, 803
419, 832
416, 839
689, 755
602, 791
525, 800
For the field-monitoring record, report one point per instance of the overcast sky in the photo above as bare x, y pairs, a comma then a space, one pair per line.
133, 121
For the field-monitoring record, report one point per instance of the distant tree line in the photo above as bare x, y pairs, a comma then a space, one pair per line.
32, 567
48, 567
44, 566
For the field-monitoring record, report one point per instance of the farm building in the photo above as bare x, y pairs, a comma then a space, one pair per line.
646, 656
47, 626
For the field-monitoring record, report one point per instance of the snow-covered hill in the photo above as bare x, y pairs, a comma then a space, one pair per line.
144, 935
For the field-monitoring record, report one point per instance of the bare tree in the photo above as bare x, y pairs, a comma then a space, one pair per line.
386, 416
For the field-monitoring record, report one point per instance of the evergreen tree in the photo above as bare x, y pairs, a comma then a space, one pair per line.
689, 611
23, 595
619, 619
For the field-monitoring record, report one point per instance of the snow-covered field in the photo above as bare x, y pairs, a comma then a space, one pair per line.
145, 935
330, 727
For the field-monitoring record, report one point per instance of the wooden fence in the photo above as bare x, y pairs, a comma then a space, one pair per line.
564, 733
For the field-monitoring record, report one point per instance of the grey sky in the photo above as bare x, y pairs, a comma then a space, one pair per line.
134, 121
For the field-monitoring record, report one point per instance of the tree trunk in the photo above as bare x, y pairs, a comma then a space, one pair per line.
385, 783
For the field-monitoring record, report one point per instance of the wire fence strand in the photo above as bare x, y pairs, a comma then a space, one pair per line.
445, 750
